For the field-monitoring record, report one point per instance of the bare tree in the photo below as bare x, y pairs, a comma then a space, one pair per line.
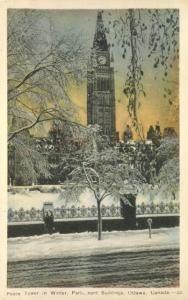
105, 172
41, 67
146, 37
167, 158
26, 164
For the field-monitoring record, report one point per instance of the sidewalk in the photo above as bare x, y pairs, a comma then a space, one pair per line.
86, 244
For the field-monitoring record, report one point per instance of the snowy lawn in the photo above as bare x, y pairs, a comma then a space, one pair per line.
79, 244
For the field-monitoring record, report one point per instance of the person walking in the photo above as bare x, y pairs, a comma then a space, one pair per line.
49, 222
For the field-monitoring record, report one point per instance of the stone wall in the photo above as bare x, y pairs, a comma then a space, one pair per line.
75, 225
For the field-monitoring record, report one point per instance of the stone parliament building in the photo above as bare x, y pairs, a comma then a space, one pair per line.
101, 110
100, 83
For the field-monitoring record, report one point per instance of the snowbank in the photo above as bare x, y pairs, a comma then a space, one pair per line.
79, 244
26, 199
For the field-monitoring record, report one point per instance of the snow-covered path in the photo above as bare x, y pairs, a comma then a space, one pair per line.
86, 244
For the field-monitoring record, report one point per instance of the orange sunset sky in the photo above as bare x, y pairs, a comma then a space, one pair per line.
154, 107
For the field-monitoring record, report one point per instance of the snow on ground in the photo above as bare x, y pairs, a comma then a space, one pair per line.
27, 199
84, 244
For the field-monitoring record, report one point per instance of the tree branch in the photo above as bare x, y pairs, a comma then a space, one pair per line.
28, 126
104, 195
89, 182
28, 76
48, 111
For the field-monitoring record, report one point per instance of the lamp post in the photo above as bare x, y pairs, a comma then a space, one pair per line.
149, 221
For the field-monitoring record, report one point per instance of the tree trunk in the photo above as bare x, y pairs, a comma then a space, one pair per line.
99, 220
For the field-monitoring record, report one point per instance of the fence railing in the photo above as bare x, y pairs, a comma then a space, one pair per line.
161, 208
33, 214
63, 212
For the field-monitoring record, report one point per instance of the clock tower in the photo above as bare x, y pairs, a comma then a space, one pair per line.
100, 83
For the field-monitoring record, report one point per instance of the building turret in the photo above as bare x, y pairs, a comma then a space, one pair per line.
100, 83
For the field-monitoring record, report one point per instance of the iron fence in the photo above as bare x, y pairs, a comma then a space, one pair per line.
72, 212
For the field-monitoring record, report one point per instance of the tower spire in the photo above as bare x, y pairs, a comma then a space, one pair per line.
100, 83
100, 41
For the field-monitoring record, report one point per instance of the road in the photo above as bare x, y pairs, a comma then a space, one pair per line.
120, 259
158, 268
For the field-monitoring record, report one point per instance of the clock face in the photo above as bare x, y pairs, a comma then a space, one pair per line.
102, 60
